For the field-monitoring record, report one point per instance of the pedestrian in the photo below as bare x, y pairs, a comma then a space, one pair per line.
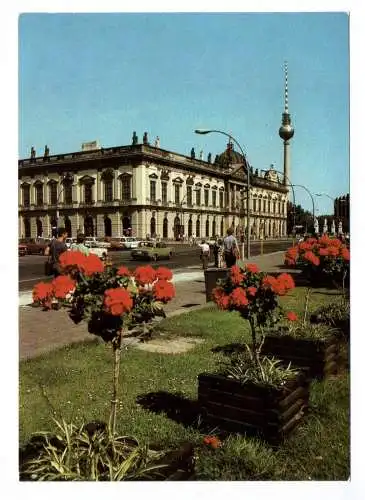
204, 254
230, 249
54, 250
80, 245
216, 248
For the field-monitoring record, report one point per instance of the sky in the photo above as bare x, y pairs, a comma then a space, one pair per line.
100, 76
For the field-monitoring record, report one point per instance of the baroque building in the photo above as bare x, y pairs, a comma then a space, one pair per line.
145, 190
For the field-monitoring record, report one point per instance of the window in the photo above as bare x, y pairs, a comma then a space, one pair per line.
260, 205
126, 188
197, 228
88, 192
214, 198
198, 197
269, 206
68, 193
189, 195
207, 228
177, 193
53, 193
254, 205
206, 197
164, 194
152, 190
274, 207
221, 199
26, 196
39, 194
108, 190
264, 202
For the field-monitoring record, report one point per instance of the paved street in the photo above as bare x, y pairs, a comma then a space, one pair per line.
31, 266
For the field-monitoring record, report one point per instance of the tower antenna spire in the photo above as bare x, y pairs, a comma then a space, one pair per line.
286, 104
286, 131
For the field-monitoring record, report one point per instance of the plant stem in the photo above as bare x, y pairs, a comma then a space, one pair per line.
254, 341
306, 305
117, 351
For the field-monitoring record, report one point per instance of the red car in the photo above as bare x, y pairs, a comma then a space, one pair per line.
22, 249
35, 245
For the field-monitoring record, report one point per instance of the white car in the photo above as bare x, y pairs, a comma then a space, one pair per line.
95, 248
69, 242
95, 242
124, 242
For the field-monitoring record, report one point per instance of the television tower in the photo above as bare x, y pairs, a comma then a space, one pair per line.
286, 131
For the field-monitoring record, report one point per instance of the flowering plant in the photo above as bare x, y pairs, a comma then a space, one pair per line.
254, 295
322, 257
111, 300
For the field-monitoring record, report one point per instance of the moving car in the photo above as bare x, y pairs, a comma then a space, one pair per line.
123, 242
35, 245
96, 242
151, 250
22, 249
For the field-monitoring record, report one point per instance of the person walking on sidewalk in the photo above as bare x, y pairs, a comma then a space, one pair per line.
216, 250
54, 250
80, 245
204, 254
230, 249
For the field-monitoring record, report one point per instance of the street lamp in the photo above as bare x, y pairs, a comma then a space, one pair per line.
203, 132
310, 194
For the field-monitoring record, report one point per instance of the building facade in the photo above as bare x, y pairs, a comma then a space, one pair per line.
144, 190
341, 206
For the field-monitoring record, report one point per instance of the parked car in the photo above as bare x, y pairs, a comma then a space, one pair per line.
123, 242
95, 248
96, 242
151, 250
22, 249
70, 241
35, 245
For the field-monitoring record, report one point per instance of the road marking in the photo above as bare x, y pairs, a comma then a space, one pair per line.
33, 279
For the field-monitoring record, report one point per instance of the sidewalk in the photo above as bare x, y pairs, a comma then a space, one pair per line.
41, 332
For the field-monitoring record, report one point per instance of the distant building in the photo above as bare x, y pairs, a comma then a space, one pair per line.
342, 211
107, 192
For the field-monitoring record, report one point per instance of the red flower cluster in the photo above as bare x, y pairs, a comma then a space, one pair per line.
123, 271
238, 298
62, 285
163, 273
280, 285
117, 301
212, 441
42, 292
87, 264
310, 257
345, 254
220, 298
291, 256
252, 268
163, 290
291, 316
236, 275
144, 275
252, 290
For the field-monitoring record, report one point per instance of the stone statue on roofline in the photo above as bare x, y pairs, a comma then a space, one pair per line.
32, 153
134, 139
201, 155
316, 225
145, 139
157, 142
46, 152
209, 158
192, 153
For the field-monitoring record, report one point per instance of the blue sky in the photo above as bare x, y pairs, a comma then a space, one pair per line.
100, 76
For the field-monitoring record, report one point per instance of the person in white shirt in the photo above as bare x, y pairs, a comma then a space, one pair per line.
204, 253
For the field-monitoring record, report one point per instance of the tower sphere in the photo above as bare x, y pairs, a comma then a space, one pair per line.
286, 131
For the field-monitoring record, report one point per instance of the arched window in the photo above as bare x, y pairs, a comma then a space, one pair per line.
190, 227
26, 194
39, 228
207, 228
177, 225
26, 228
165, 228
153, 227
108, 190
197, 227
107, 226
39, 194
214, 229
222, 227
53, 193
126, 225
89, 226
68, 226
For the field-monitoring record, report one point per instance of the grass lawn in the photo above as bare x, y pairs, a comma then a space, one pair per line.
75, 383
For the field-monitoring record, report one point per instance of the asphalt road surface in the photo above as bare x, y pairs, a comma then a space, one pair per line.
31, 267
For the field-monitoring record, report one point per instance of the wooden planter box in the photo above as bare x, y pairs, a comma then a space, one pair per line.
252, 409
318, 358
212, 275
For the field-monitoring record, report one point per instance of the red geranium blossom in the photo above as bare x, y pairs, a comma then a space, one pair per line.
62, 285
236, 275
252, 290
144, 275
212, 441
42, 291
252, 268
310, 257
291, 316
123, 271
220, 298
92, 265
117, 301
163, 273
345, 254
323, 252
72, 259
333, 251
163, 290
238, 298
286, 280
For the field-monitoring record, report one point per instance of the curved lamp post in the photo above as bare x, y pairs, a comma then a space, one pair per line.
310, 194
203, 132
